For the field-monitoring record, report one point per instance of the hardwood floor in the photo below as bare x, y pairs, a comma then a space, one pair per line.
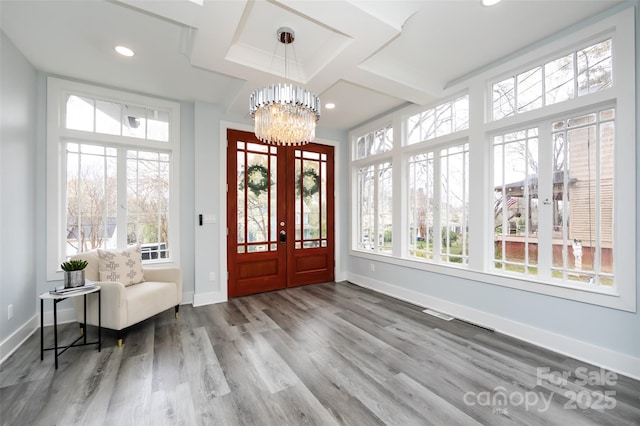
322, 354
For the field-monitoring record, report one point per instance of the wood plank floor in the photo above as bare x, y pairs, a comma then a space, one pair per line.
322, 354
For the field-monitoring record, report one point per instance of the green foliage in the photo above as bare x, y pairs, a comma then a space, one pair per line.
74, 265
453, 237
257, 179
310, 183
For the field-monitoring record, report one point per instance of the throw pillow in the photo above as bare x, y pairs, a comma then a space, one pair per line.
124, 266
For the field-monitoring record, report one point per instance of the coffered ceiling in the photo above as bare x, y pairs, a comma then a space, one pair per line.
366, 56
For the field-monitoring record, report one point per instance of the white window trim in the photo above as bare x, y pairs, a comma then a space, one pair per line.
57, 90
622, 95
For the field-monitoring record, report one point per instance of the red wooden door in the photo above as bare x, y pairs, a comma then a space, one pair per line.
280, 215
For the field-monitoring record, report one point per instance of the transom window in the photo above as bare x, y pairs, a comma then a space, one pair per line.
373, 143
579, 73
112, 118
446, 118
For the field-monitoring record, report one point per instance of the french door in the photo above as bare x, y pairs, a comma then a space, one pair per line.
280, 215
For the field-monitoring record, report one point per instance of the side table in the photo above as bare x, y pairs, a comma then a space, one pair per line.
57, 299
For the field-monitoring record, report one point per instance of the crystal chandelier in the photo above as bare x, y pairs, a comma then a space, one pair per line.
284, 114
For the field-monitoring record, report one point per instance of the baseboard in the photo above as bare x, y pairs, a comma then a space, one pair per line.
341, 276
201, 299
18, 337
187, 298
611, 360
13, 342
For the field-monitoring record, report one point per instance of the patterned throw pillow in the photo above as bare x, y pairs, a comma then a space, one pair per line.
124, 266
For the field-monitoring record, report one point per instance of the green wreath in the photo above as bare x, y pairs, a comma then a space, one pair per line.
255, 184
309, 190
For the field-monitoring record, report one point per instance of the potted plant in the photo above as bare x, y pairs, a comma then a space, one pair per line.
74, 272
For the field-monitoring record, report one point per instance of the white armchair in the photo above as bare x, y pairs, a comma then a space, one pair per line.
123, 306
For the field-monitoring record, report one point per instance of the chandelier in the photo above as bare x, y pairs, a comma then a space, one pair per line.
284, 114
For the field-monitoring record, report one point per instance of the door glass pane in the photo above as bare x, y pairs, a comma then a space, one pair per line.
273, 191
257, 167
298, 198
310, 198
323, 197
241, 197
258, 182
310, 184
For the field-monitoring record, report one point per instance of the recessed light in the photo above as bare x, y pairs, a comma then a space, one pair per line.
124, 51
330, 105
490, 2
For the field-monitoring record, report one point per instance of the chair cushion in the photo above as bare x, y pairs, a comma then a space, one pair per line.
124, 266
146, 299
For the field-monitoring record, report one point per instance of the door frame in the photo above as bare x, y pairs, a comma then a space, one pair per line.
217, 291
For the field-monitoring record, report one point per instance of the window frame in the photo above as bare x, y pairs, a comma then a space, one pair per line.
541, 64
620, 27
58, 135
438, 251
373, 160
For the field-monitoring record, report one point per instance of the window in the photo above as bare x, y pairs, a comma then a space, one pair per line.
375, 207
583, 197
582, 72
543, 202
376, 142
148, 199
578, 199
112, 118
117, 168
91, 195
515, 206
438, 205
446, 118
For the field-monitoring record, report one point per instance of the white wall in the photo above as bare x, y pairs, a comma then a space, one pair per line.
18, 134
207, 201
187, 199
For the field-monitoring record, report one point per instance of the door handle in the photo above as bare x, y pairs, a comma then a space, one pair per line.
283, 236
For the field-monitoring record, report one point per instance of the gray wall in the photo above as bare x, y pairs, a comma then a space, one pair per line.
18, 134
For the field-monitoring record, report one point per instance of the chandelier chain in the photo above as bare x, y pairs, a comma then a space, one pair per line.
285, 114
